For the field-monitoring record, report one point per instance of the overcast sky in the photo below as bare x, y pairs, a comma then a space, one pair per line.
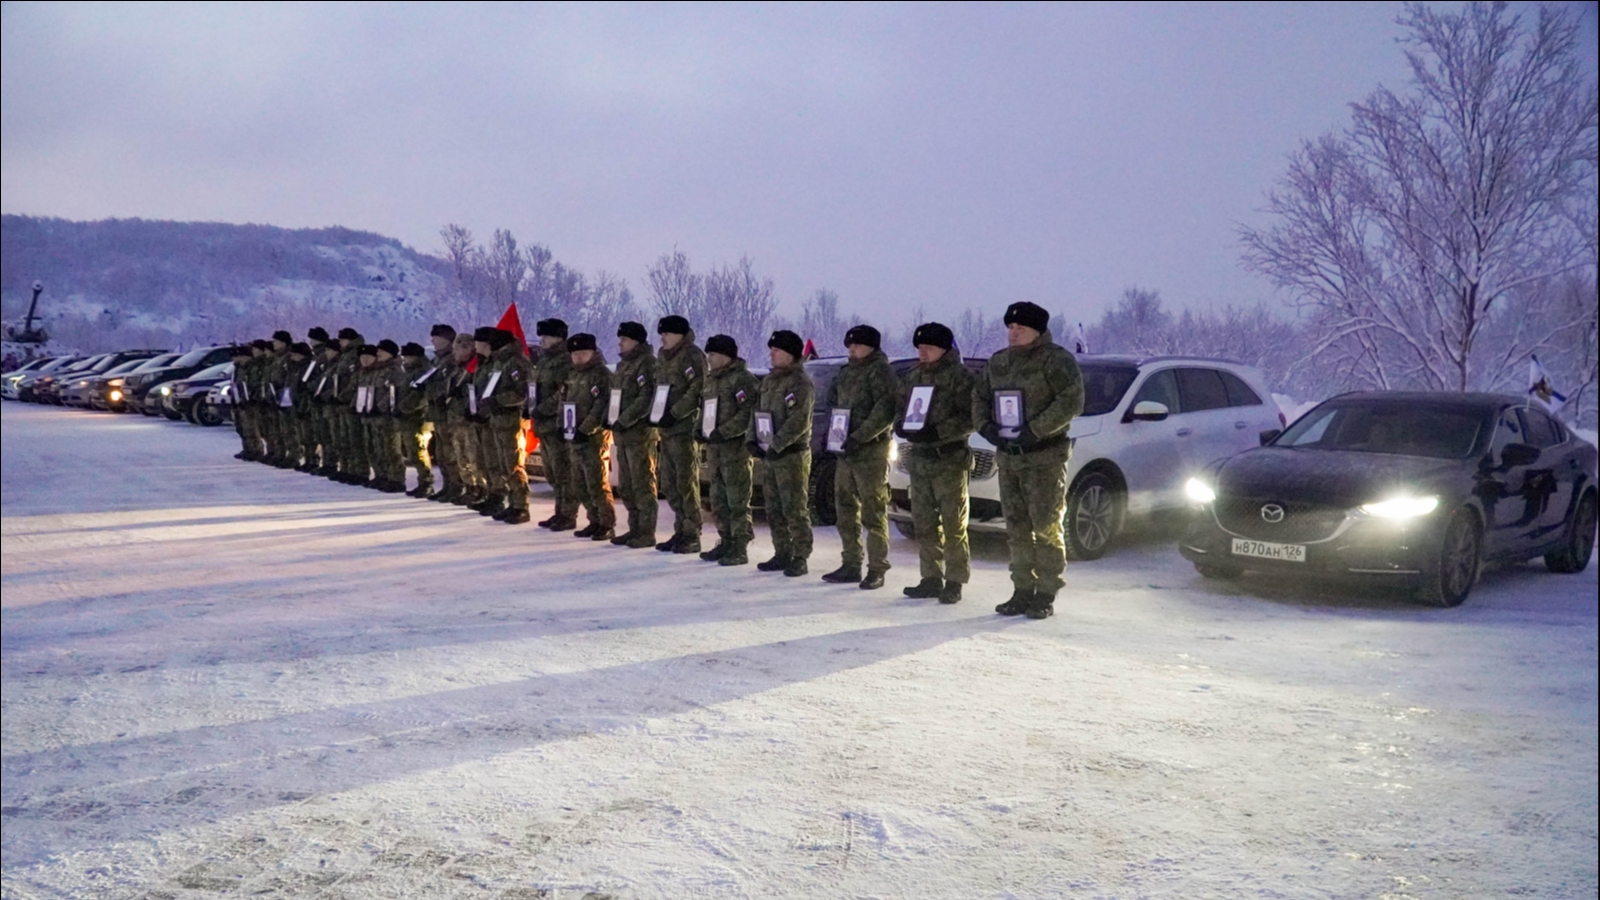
901, 155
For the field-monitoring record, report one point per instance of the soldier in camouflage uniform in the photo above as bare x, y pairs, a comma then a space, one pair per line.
459, 405
634, 436
261, 400
867, 387
504, 394
939, 463
587, 396
435, 385
239, 393
411, 410
373, 413
309, 418
728, 381
349, 433
681, 366
550, 385
326, 393
1033, 455
276, 406
294, 399
788, 397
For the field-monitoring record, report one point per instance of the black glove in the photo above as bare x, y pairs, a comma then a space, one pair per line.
700, 438
1026, 439
755, 450
927, 434
850, 446
578, 439
667, 420
991, 433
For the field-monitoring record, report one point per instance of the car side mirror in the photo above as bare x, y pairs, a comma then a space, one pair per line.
1519, 455
1270, 435
1148, 411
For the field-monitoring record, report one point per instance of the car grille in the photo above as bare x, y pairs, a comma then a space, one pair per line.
1301, 521
982, 461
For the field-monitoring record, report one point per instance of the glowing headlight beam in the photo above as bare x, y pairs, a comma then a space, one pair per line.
1401, 507
1198, 491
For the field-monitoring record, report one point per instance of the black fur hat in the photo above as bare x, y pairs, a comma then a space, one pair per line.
933, 334
442, 330
318, 334
788, 342
349, 334
300, 348
864, 335
261, 344
1030, 315
367, 350
485, 334
389, 347
580, 341
284, 336
550, 328
721, 343
672, 325
633, 330
413, 349
239, 350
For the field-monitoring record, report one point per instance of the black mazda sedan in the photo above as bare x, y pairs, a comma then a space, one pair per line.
1416, 487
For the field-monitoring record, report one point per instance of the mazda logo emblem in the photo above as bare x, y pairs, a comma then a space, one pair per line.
1272, 513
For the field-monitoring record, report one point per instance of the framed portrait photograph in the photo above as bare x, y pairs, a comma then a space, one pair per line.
658, 406
361, 398
838, 430
533, 395
1008, 412
764, 429
614, 408
917, 407
472, 401
708, 416
569, 420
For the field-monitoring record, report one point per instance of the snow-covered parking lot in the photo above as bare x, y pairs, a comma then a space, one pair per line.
227, 679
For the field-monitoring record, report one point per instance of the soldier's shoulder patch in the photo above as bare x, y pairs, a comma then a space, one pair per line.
639, 381
788, 399
739, 395
594, 390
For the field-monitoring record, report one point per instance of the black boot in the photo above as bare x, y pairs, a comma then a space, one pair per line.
1042, 607
546, 523
717, 552
795, 568
603, 533
622, 539
873, 581
926, 589
951, 593
564, 523
586, 531
1017, 605
492, 506
514, 516
776, 564
843, 575
421, 491
733, 555
670, 545
687, 545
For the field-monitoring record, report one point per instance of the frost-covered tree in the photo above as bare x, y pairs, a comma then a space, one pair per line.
1409, 234
740, 302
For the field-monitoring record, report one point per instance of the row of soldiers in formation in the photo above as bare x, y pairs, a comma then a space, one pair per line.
362, 413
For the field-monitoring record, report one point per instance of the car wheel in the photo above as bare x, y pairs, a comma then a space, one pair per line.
206, 414
822, 508
1574, 556
1094, 516
1449, 579
1220, 573
906, 529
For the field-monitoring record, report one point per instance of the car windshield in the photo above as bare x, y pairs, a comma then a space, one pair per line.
125, 368
58, 364
1405, 429
1104, 385
28, 366
158, 362
193, 357
220, 370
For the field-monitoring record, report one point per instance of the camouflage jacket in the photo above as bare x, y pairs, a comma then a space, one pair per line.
1052, 389
458, 406
589, 391
683, 370
322, 383
789, 396
948, 419
636, 379
868, 388
411, 397
550, 377
344, 375
297, 370
504, 405
437, 385
736, 392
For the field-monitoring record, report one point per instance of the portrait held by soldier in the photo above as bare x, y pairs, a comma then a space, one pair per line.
453, 422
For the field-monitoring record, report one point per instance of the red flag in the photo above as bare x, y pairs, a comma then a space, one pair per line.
512, 322
810, 351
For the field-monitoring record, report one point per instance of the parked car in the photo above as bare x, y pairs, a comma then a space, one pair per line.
1147, 424
113, 395
1419, 488
47, 388
140, 390
9, 382
83, 390
23, 385
180, 399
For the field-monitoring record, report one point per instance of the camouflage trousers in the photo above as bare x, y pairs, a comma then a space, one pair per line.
502, 460
1033, 498
861, 498
442, 453
679, 460
244, 423
728, 470
415, 435
590, 462
787, 492
558, 469
636, 481
384, 448
354, 458
464, 447
332, 453
939, 510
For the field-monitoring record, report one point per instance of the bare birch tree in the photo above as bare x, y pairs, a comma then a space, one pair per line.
740, 302
1406, 234
675, 289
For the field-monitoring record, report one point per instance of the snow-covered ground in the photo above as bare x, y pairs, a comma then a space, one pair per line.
225, 679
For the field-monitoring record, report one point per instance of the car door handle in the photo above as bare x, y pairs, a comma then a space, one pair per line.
1185, 432
1240, 425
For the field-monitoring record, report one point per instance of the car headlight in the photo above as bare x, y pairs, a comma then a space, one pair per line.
894, 450
1198, 491
1401, 507
166, 391
115, 382
115, 396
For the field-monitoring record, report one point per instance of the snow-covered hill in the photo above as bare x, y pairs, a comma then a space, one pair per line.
127, 282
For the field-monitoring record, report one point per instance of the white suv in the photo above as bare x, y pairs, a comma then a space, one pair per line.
1147, 424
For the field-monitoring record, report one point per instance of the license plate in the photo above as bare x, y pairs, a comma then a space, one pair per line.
1264, 550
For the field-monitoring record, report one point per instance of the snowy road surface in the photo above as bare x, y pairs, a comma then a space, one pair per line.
226, 679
